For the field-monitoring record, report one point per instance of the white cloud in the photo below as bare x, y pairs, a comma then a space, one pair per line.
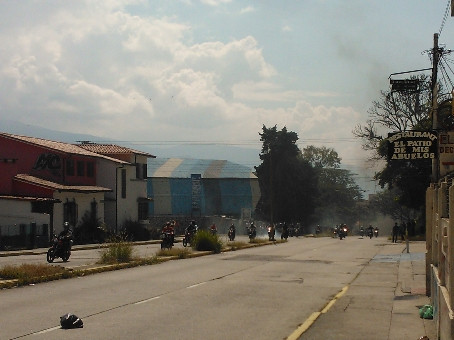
214, 2
247, 9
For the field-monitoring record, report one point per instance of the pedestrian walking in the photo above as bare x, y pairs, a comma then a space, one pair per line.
395, 232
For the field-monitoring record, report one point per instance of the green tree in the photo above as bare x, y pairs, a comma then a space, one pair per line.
338, 193
397, 112
287, 181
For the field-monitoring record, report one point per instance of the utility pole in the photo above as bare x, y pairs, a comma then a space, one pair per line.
436, 57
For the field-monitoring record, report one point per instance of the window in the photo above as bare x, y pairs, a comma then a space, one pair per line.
90, 169
70, 213
143, 210
144, 171
94, 210
70, 167
80, 168
141, 171
123, 183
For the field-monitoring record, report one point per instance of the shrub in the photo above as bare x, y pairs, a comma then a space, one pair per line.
119, 250
205, 241
90, 230
136, 231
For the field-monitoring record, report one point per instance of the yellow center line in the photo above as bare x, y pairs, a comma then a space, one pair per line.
314, 316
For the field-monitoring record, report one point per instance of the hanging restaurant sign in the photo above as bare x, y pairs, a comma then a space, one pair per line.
402, 85
412, 145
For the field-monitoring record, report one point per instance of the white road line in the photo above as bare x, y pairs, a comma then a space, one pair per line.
47, 330
196, 285
147, 300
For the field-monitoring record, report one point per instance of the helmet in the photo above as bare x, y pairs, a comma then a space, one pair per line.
167, 223
66, 225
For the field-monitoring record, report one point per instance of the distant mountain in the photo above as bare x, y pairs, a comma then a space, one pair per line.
244, 156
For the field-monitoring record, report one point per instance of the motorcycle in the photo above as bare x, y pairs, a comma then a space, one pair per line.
361, 232
167, 240
61, 247
370, 233
284, 234
342, 232
376, 232
231, 234
188, 236
252, 232
271, 233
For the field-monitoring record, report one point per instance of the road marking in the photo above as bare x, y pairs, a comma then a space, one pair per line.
314, 316
196, 285
47, 330
147, 300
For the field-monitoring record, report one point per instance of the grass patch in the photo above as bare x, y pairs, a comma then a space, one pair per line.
33, 273
259, 240
235, 245
119, 250
180, 253
205, 241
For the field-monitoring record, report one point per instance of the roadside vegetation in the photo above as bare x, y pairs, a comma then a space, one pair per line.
119, 250
181, 253
33, 273
117, 255
205, 241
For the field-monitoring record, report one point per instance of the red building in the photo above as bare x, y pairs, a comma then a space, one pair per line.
69, 181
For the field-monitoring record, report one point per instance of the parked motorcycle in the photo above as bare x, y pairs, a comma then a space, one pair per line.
167, 240
61, 247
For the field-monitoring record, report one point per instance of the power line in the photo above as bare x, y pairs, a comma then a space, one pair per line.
445, 16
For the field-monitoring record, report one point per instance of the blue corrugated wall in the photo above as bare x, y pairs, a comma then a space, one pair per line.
220, 196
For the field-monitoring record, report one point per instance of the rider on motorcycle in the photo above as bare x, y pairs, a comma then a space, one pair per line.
232, 232
66, 235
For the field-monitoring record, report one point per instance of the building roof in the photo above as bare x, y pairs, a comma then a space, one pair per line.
184, 168
111, 149
28, 198
59, 146
58, 187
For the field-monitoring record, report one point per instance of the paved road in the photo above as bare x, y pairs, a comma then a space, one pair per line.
258, 293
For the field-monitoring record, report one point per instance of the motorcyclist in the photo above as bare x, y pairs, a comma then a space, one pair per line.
169, 229
66, 235
213, 229
232, 231
370, 231
271, 232
376, 231
252, 229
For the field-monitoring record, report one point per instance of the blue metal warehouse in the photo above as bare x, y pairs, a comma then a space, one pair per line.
201, 187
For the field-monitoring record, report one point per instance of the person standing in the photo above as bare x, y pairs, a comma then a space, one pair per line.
395, 232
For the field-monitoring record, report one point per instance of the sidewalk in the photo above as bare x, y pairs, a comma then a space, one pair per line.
382, 302
410, 295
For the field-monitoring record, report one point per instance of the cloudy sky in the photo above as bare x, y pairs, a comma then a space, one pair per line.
210, 70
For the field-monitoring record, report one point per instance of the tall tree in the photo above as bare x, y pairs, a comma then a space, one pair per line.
286, 180
397, 112
338, 193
